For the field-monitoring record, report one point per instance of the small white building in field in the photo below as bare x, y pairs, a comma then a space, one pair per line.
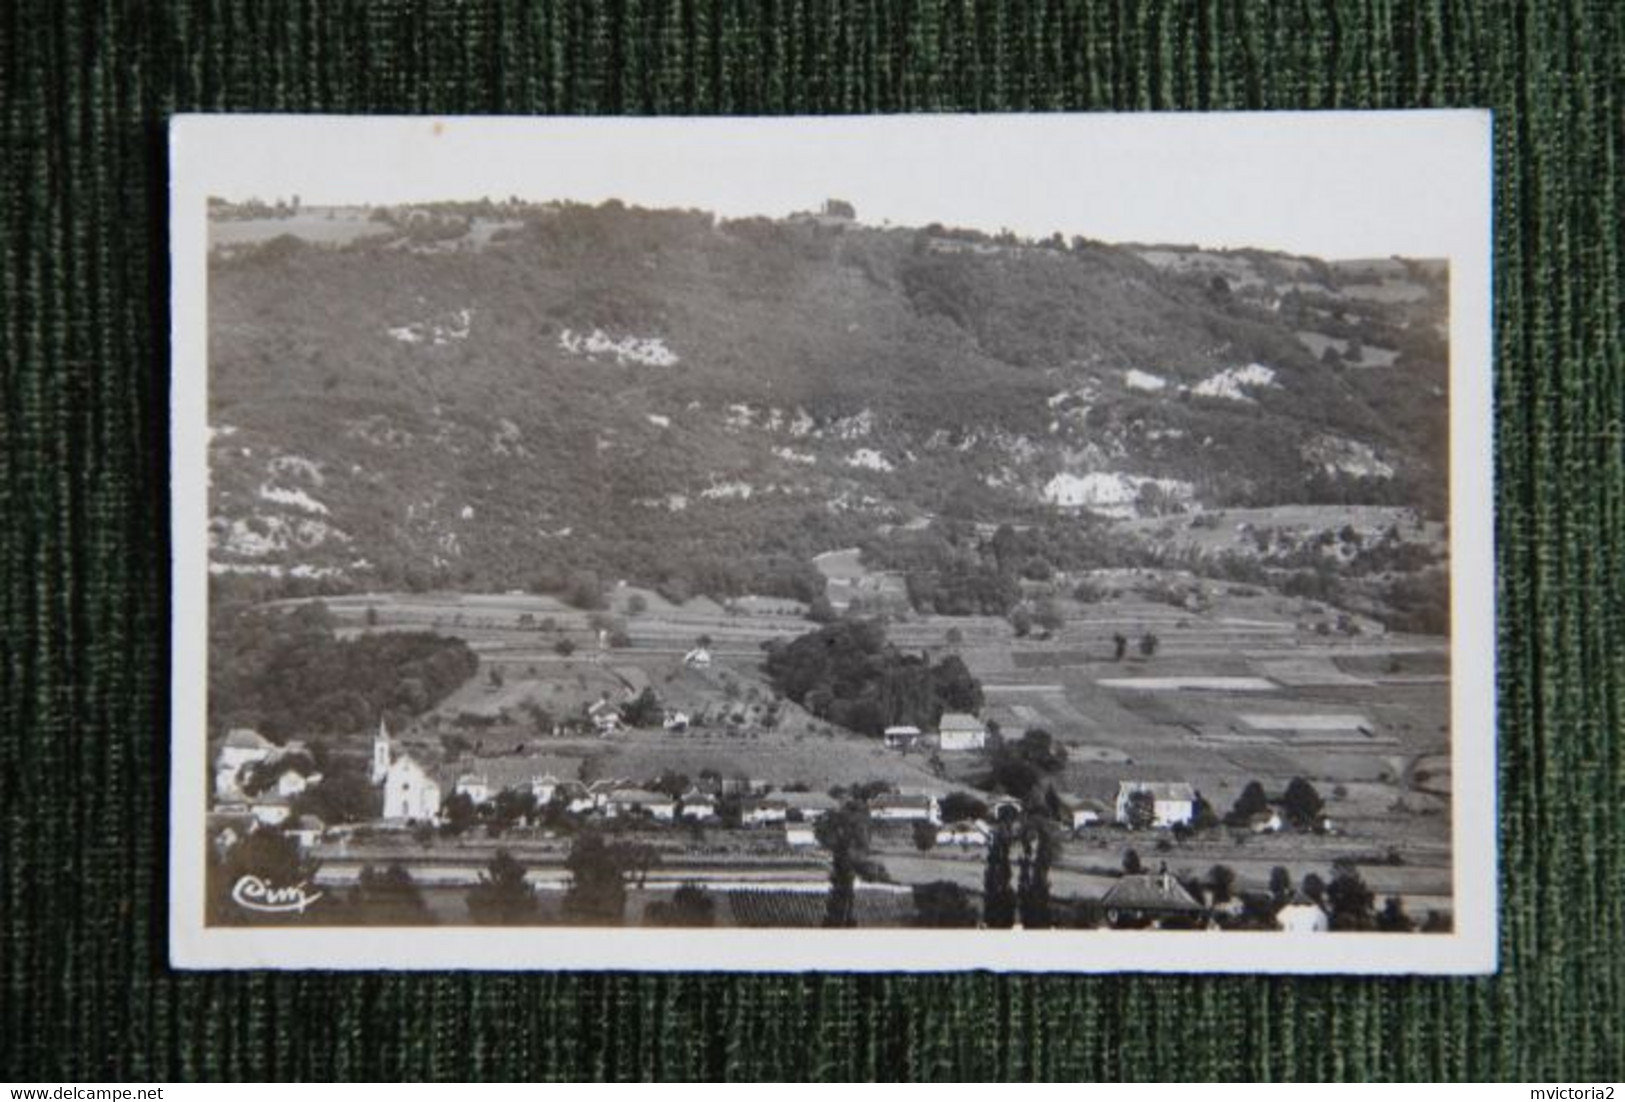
1174, 801
960, 731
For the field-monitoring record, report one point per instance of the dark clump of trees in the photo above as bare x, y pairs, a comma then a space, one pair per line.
942, 903
287, 673
502, 897
388, 897
690, 905
273, 859
599, 873
848, 674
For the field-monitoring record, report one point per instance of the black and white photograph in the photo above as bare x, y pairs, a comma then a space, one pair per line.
1021, 542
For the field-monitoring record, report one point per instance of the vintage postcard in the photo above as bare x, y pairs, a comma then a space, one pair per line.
1042, 543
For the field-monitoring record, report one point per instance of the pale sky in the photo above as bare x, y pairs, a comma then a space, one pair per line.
1343, 184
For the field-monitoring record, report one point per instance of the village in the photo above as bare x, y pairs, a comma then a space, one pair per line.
1234, 767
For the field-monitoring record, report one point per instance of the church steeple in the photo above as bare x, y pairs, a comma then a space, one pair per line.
380, 753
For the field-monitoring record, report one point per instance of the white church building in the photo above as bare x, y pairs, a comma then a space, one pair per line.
410, 791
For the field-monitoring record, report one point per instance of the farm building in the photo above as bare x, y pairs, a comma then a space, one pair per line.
800, 834
1087, 812
765, 812
809, 806
1174, 801
959, 731
481, 779
697, 806
698, 659
891, 808
1148, 899
968, 833
632, 801
901, 738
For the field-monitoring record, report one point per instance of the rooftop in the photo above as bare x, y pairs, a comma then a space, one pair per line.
1149, 892
1159, 790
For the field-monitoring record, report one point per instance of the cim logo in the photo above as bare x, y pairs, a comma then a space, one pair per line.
253, 894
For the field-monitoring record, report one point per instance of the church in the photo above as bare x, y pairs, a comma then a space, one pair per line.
410, 791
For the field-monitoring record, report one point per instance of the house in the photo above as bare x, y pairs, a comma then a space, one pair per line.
1148, 899
632, 801
270, 809
483, 779
675, 723
578, 798
1302, 915
765, 812
967, 833
807, 806
1086, 812
291, 781
698, 659
241, 747
697, 806
1174, 802
605, 717
897, 808
306, 831
800, 834
959, 731
901, 738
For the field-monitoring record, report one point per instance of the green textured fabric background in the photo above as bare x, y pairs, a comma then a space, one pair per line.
85, 91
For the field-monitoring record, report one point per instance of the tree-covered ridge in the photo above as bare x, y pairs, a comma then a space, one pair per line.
850, 675
703, 404
288, 674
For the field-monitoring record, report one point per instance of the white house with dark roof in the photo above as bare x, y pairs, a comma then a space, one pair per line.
1302, 915
698, 806
1148, 898
1174, 801
958, 731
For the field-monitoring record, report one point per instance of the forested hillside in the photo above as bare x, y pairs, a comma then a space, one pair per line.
499, 395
